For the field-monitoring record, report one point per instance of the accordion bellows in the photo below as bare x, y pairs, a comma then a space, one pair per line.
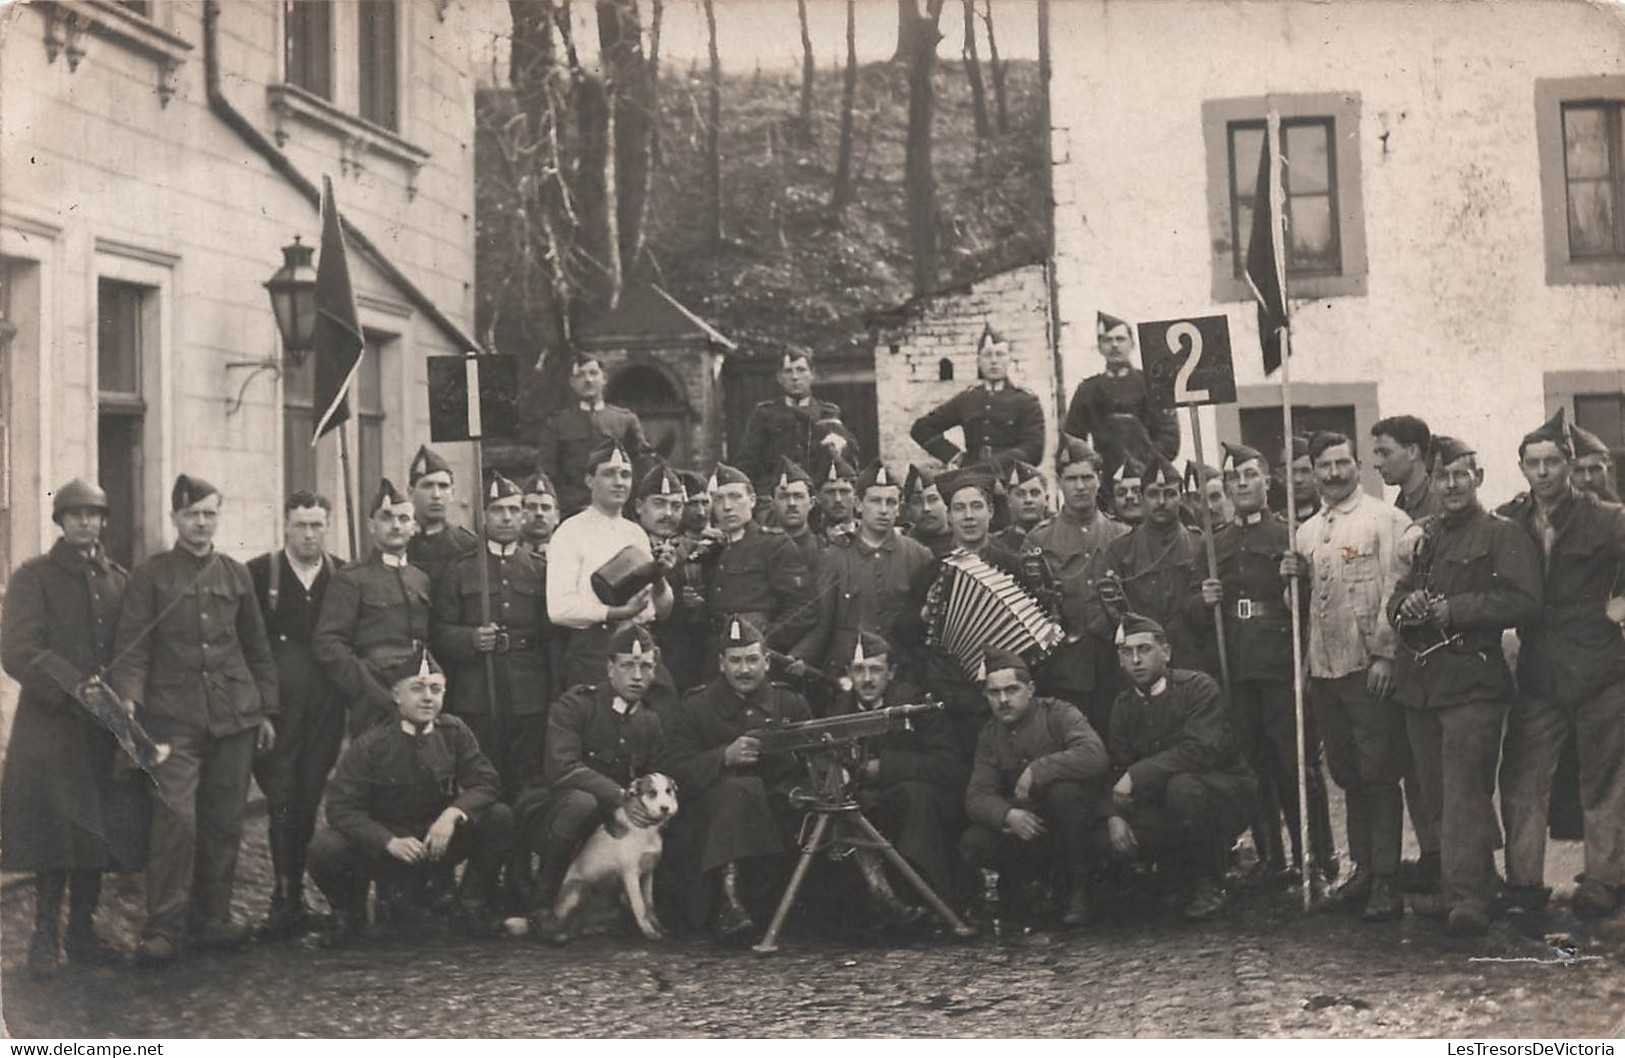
974, 607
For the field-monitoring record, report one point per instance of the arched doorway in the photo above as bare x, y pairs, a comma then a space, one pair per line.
666, 415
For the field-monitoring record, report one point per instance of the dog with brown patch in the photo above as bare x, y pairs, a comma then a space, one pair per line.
626, 848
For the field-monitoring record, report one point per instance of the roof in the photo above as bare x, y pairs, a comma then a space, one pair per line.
648, 316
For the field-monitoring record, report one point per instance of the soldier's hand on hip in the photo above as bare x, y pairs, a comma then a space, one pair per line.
1124, 843
1212, 591
1024, 824
407, 849
265, 738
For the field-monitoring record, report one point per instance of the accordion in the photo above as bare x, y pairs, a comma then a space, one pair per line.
974, 607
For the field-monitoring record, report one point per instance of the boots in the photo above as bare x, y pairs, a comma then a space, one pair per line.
873, 871
287, 914
1080, 904
81, 944
474, 903
1384, 904
732, 918
44, 958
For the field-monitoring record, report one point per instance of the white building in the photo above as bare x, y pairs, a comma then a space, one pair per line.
1457, 180
155, 158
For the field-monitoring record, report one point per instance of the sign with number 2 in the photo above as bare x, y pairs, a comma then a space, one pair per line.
1187, 362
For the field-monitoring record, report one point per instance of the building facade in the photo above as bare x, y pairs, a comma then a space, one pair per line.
1456, 199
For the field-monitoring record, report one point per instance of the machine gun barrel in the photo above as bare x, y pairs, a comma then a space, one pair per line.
833, 731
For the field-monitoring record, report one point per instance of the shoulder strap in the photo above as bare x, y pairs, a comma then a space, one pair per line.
273, 581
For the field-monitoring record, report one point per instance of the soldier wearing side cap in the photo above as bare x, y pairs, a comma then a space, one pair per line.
570, 435
792, 495
1305, 490
409, 800
1127, 493
1593, 465
541, 501
836, 498
1113, 410
927, 513
788, 427
1001, 420
437, 543
660, 500
192, 655
1028, 497
735, 799
67, 814
376, 613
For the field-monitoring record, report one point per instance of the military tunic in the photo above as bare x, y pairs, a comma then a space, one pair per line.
812, 546
777, 429
570, 434
761, 577
375, 615
434, 552
999, 425
1082, 668
938, 544
861, 589
1156, 566
1116, 414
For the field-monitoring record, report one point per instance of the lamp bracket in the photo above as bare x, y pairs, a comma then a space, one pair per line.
271, 364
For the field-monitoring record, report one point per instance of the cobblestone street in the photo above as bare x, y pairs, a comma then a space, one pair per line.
1268, 971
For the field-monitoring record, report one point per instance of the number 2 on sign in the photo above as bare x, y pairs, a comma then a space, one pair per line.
1176, 336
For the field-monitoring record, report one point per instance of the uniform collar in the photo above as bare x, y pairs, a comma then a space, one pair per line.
65, 554
621, 706
411, 728
1251, 519
502, 550
392, 561
804, 402
1156, 689
1123, 372
995, 387
591, 405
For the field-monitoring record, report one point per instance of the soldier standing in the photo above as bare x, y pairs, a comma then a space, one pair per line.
1593, 466
786, 427
1001, 421
571, 434
1305, 492
541, 515
660, 500
759, 576
1128, 493
927, 513
1028, 497
836, 496
375, 614
792, 506
1474, 575
1401, 445
1113, 410
66, 813
191, 653
437, 543
290, 586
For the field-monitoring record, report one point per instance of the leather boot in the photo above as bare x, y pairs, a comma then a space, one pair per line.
1351, 894
474, 903
873, 871
732, 918
44, 957
81, 943
286, 915
1080, 902
1385, 903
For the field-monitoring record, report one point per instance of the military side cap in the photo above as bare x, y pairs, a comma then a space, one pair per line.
420, 664
1020, 473
426, 462
740, 632
1130, 473
838, 470
608, 452
1134, 624
1237, 454
539, 484
1073, 450
723, 475
870, 645
1587, 443
1300, 449
1160, 471
791, 472
991, 339
386, 496
1447, 450
1105, 322
1555, 430
953, 481
791, 353
498, 487
661, 480
875, 474
189, 490
1196, 473
634, 640
693, 483
999, 660
75, 494
918, 480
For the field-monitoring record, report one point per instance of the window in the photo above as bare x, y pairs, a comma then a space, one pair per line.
1349, 408
377, 62
124, 335
1325, 212
367, 410
1592, 178
9, 272
1581, 146
298, 421
1604, 415
308, 42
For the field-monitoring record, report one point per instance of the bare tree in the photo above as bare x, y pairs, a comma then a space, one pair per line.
908, 15
713, 136
973, 71
996, 65
809, 70
849, 93
919, 182
651, 134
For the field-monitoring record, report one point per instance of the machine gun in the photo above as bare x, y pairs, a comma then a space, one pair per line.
833, 751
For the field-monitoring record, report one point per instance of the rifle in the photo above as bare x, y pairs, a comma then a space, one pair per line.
104, 707
787, 667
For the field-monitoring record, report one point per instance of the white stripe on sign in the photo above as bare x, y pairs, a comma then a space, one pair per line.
472, 365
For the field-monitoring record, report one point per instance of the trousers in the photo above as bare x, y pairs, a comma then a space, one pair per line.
343, 870
1366, 753
1456, 750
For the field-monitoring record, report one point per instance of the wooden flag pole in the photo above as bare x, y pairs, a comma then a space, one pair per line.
1212, 551
349, 489
474, 431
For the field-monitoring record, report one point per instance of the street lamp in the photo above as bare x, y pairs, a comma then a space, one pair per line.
293, 301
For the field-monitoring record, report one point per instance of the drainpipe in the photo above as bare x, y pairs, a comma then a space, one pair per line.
222, 108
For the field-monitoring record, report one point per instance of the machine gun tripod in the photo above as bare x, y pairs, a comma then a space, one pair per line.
833, 751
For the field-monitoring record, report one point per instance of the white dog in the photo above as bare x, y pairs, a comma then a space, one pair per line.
627, 850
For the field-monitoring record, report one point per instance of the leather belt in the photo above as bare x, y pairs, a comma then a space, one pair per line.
507, 641
1247, 609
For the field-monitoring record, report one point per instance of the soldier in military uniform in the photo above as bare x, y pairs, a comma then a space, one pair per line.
1082, 669
410, 799
792, 507
1182, 793
1038, 775
1001, 421
1305, 491
571, 433
1128, 493
759, 575
1113, 410
1593, 465
697, 510
786, 427
600, 737
1028, 497
735, 798
927, 513
836, 498
67, 814
192, 655
1258, 643
1474, 575
437, 543
864, 584
494, 639
376, 612
660, 500
1401, 446
290, 586
541, 515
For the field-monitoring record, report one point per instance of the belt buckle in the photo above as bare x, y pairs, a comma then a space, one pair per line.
503, 641
1244, 609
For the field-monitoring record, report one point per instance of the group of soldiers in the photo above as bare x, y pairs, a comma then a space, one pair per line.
487, 700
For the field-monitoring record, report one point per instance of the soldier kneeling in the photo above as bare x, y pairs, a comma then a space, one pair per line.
1182, 794
1038, 775
407, 799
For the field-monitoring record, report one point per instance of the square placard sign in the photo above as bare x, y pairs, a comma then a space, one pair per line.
1187, 362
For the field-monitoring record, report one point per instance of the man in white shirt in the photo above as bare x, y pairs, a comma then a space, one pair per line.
1350, 555
579, 549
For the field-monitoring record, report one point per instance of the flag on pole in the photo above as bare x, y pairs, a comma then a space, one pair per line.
338, 340
1266, 255
473, 397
